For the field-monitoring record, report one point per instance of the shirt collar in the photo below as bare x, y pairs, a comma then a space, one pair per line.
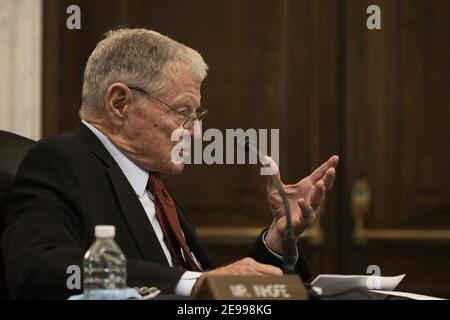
136, 176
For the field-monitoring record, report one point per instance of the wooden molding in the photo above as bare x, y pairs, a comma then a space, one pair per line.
227, 235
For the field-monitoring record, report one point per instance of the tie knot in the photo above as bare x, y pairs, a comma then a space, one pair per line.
155, 183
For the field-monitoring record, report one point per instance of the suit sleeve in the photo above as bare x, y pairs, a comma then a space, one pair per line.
45, 231
260, 253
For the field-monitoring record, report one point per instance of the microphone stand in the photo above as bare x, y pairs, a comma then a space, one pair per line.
289, 239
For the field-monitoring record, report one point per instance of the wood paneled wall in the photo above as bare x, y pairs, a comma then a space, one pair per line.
312, 69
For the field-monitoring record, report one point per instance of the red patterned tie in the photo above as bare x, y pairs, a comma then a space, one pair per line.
170, 225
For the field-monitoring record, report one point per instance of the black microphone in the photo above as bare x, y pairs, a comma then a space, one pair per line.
289, 237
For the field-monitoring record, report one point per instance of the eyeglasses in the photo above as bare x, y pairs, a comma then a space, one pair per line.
189, 120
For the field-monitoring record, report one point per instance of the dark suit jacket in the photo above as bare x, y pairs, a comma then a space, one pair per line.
65, 186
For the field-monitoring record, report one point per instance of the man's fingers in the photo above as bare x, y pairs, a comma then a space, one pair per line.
329, 179
320, 172
318, 194
308, 212
249, 266
266, 269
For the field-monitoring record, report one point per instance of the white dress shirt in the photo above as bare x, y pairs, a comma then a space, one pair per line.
138, 179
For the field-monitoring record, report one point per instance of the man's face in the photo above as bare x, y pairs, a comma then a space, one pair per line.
149, 126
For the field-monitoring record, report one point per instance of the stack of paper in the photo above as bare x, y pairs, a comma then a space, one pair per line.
333, 283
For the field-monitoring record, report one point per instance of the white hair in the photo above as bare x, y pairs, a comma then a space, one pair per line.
136, 57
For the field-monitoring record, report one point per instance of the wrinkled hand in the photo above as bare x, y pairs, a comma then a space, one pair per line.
304, 199
244, 267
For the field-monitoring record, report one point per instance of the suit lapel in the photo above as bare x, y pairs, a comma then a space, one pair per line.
136, 217
131, 208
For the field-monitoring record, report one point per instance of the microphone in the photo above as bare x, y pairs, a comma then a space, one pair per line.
289, 240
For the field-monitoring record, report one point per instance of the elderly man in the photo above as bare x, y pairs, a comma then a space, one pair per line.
139, 86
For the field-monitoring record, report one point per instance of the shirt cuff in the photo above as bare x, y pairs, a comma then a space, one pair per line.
276, 254
186, 283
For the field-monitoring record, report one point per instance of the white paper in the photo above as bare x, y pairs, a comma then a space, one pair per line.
338, 283
413, 296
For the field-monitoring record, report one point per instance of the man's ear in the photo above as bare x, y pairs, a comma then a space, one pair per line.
118, 99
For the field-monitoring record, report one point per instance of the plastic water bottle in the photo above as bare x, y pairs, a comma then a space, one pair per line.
104, 265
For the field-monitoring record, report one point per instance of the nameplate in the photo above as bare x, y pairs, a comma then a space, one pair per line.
288, 287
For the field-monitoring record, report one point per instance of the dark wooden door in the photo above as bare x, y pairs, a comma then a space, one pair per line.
396, 143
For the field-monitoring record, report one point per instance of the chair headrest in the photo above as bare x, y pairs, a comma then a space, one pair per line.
12, 148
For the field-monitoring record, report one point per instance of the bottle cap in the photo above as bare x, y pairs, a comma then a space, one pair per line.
105, 231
